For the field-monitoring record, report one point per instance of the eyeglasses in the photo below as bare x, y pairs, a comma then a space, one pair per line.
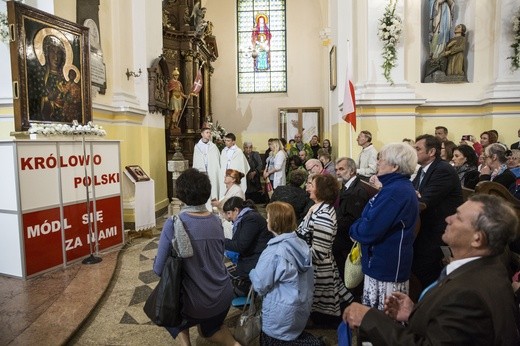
310, 169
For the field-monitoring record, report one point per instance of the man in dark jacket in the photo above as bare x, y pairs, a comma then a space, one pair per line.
439, 188
254, 187
352, 200
294, 194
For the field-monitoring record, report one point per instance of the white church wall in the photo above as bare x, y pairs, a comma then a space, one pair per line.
255, 116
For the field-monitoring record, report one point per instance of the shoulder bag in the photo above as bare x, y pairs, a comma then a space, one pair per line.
353, 273
163, 306
249, 324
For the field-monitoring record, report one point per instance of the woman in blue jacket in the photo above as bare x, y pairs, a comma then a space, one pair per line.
284, 276
386, 227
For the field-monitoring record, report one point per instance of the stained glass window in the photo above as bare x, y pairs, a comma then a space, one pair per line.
262, 63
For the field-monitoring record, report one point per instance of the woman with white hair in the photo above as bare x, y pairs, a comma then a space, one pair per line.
386, 227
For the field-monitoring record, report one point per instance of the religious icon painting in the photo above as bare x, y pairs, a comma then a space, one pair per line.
49, 67
137, 173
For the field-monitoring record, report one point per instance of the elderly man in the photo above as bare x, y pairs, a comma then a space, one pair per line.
471, 304
352, 200
314, 166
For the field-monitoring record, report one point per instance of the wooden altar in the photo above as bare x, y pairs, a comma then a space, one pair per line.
188, 45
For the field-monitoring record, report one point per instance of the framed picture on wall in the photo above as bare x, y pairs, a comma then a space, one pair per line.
307, 121
333, 73
49, 66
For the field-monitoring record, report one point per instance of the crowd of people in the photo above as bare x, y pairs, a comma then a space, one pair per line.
428, 257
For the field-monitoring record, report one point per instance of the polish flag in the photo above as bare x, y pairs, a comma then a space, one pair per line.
197, 84
349, 99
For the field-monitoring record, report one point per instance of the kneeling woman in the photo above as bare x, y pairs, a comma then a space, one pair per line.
206, 288
250, 237
284, 275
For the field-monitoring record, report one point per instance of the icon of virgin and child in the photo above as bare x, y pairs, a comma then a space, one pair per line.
53, 80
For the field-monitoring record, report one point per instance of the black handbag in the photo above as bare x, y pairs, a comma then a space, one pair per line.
163, 306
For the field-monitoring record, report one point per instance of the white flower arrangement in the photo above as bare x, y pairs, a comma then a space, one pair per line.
515, 58
217, 134
4, 28
56, 129
217, 131
4, 25
389, 32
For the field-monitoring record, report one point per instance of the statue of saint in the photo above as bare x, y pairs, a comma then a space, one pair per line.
454, 51
441, 21
177, 97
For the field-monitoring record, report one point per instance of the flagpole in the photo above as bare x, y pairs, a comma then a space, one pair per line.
350, 130
187, 99
182, 111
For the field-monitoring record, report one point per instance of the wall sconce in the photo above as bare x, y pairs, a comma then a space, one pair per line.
132, 73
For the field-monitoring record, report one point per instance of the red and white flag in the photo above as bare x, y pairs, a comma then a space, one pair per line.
349, 99
197, 84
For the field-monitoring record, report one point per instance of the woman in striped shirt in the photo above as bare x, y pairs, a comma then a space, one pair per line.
318, 229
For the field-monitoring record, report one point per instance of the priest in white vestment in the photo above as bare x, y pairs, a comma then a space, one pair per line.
206, 158
232, 157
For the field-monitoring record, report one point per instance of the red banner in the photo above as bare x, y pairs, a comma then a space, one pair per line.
43, 242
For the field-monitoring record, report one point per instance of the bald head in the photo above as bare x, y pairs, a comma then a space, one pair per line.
313, 166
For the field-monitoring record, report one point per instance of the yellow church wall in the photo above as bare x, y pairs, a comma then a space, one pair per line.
393, 123
141, 145
472, 120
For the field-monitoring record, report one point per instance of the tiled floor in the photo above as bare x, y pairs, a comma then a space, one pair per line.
99, 304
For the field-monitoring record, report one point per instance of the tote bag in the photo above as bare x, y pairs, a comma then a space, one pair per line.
163, 306
353, 273
249, 324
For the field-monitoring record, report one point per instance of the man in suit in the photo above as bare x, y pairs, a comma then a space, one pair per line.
473, 304
352, 200
254, 186
439, 188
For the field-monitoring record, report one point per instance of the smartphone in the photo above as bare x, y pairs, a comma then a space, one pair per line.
465, 137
